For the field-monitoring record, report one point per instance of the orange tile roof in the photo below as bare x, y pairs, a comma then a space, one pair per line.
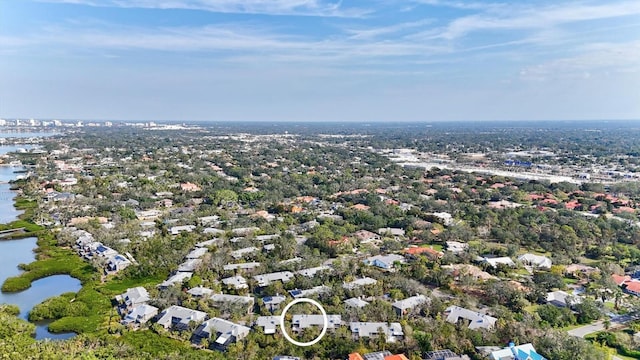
355, 356
620, 279
422, 250
633, 286
396, 357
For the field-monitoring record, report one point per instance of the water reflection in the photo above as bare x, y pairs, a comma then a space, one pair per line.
15, 252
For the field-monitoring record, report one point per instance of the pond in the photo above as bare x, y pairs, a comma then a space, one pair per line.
15, 252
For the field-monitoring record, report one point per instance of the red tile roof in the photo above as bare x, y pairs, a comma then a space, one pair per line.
396, 357
620, 279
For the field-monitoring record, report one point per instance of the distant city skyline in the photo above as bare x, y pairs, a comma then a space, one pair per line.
315, 60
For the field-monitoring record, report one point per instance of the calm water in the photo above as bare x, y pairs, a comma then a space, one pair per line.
8, 212
14, 252
25, 135
20, 251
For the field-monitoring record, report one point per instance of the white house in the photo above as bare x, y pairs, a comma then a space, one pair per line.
494, 262
266, 279
392, 331
385, 261
536, 261
180, 318
140, 314
236, 282
476, 320
223, 332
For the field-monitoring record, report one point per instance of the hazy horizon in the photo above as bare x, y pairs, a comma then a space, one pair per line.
312, 60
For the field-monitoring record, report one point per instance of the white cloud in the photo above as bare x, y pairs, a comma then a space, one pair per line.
602, 58
267, 7
517, 17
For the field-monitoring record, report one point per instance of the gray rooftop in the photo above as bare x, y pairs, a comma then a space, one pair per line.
410, 303
305, 321
359, 282
266, 279
368, 329
477, 320
355, 302
269, 323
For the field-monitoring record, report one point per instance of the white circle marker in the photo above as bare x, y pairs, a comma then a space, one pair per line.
325, 319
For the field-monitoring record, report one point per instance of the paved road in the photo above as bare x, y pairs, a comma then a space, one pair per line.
599, 326
587, 329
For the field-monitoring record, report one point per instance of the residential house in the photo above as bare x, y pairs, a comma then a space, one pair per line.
189, 187
516, 352
240, 253
476, 320
632, 287
392, 331
243, 266
175, 230
359, 283
134, 297
366, 237
208, 243
140, 314
562, 299
297, 293
392, 232
579, 269
378, 355
536, 261
458, 270
266, 279
301, 322
189, 265
402, 307
443, 217
179, 318
209, 220
213, 231
356, 303
495, 261
197, 253
117, 263
236, 282
427, 251
272, 303
200, 291
444, 355
243, 302
268, 323
311, 272
456, 247
284, 357
245, 231
386, 262
223, 331
178, 278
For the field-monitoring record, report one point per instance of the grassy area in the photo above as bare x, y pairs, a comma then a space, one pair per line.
118, 286
437, 247
152, 343
77, 324
531, 308
570, 281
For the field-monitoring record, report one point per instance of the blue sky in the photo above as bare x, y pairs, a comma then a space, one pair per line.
316, 60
